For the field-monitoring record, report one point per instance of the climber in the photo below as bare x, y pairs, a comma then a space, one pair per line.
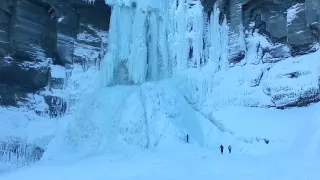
187, 138
221, 149
229, 148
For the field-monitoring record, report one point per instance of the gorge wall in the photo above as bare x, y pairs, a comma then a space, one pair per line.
256, 53
40, 40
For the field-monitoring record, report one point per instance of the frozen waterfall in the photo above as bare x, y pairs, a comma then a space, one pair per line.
154, 40
146, 44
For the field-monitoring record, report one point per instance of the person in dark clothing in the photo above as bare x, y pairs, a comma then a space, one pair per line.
229, 148
187, 138
221, 149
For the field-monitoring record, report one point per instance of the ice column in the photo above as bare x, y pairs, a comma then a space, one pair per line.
218, 39
163, 46
153, 47
224, 30
180, 49
197, 33
137, 63
109, 62
124, 32
215, 38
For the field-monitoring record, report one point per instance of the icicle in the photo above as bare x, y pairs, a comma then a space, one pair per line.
153, 47
171, 33
181, 47
107, 67
163, 45
197, 33
110, 60
224, 63
124, 33
137, 64
215, 36
206, 36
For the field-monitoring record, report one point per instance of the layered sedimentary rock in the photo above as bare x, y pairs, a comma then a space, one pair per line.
36, 35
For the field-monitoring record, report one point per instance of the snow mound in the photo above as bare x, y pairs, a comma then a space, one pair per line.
21, 122
132, 117
20, 144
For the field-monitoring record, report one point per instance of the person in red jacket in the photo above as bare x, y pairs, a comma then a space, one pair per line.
229, 148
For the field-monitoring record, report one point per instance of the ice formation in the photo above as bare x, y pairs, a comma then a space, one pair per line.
158, 39
149, 41
165, 73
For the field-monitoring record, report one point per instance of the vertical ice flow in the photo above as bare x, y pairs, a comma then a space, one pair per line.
153, 47
137, 63
159, 42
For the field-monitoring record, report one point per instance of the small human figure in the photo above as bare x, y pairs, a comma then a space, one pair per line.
187, 138
229, 148
221, 149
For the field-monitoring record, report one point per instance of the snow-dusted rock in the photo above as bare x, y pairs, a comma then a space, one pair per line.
58, 76
290, 22
253, 75
294, 81
299, 34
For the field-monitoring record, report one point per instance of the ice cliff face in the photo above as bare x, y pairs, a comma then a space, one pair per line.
232, 48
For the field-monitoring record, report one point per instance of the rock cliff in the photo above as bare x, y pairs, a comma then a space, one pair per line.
39, 36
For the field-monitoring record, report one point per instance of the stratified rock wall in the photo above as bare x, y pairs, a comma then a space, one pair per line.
39, 35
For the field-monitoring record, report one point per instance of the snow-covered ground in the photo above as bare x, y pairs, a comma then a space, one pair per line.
292, 152
188, 163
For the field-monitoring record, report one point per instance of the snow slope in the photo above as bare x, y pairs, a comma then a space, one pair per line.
127, 119
189, 161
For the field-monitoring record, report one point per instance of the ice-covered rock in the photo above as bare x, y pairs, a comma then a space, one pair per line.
294, 81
